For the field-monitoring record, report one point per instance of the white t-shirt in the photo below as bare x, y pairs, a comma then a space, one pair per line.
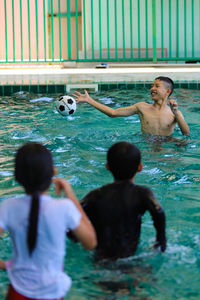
40, 275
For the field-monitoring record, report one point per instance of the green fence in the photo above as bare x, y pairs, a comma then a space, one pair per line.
99, 30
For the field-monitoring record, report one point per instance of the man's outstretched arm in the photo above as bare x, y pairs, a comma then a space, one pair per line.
118, 112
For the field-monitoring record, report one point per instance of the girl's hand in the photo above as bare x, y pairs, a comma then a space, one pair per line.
62, 185
85, 232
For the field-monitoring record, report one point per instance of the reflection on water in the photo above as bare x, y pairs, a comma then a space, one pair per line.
124, 277
79, 144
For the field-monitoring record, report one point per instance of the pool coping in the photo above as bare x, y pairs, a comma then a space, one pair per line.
57, 79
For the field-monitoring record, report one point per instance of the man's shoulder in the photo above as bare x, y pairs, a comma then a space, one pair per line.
118, 185
95, 192
144, 191
143, 105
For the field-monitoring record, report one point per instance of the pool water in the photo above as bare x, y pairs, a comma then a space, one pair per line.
79, 144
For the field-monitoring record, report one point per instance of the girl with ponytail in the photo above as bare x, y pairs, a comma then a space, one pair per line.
37, 224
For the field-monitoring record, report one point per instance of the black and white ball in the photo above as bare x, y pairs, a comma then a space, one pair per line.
66, 105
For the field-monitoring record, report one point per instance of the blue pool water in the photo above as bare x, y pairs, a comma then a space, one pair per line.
79, 144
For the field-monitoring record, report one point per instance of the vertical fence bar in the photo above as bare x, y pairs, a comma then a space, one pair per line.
116, 50
60, 41
92, 28
146, 22
170, 30
69, 29
21, 31
36, 23
108, 29
49, 28
138, 28
162, 30
44, 18
154, 30
100, 47
77, 39
185, 12
52, 31
13, 25
123, 30
193, 28
199, 23
29, 31
177, 28
131, 28
185, 26
6, 30
84, 29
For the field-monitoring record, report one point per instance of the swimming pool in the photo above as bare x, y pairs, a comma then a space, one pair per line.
79, 144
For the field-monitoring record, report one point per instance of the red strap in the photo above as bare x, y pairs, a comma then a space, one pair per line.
14, 295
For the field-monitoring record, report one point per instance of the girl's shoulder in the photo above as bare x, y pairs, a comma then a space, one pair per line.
61, 204
13, 201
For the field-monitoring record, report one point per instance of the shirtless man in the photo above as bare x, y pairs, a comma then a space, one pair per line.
158, 118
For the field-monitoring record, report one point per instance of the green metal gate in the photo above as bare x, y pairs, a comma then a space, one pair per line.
99, 30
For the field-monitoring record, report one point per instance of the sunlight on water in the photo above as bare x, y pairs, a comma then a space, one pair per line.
79, 144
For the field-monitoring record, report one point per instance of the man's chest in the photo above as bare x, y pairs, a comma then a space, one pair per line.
162, 118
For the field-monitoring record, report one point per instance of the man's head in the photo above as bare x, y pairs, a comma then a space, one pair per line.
162, 87
168, 82
123, 160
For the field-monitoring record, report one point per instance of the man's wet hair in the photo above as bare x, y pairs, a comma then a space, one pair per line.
123, 159
168, 82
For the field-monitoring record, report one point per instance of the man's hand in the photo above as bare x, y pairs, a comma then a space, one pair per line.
179, 117
173, 105
81, 97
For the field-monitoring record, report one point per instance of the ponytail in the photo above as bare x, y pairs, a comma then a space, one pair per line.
33, 222
34, 171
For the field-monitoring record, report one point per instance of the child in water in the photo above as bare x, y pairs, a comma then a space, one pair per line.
37, 224
158, 118
116, 209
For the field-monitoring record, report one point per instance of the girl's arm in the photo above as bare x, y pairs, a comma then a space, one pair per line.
2, 262
85, 232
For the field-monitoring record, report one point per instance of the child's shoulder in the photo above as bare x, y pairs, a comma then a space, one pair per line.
58, 206
12, 201
143, 106
59, 202
144, 190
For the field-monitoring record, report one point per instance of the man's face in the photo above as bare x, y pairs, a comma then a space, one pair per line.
159, 91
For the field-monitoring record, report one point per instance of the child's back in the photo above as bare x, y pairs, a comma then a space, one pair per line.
40, 274
37, 224
116, 209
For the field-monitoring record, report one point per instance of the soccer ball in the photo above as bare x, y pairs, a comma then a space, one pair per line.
66, 105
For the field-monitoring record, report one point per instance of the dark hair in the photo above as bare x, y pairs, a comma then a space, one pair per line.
34, 171
168, 82
123, 160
